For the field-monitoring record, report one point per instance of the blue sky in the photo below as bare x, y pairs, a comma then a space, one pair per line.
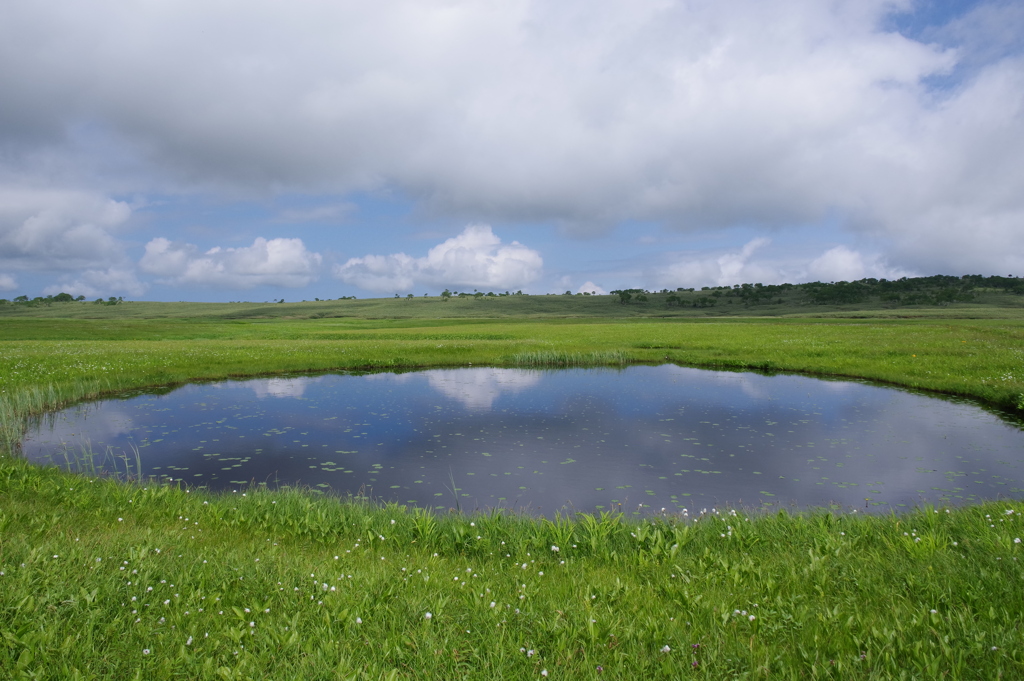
221, 150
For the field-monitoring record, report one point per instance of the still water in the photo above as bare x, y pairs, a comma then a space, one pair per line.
643, 437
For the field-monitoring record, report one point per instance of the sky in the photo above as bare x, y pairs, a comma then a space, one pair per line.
220, 150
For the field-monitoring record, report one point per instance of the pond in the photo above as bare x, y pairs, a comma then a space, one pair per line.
631, 439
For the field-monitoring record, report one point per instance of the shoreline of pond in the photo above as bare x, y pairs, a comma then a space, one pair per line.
625, 498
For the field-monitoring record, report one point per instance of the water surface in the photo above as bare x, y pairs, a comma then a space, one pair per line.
587, 439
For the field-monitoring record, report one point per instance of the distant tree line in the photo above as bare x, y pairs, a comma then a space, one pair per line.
939, 289
935, 290
41, 301
447, 295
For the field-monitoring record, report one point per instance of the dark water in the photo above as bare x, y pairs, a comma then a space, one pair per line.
586, 439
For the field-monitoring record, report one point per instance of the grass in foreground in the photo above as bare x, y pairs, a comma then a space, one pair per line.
107, 580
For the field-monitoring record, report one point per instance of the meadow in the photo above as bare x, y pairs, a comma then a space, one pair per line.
130, 579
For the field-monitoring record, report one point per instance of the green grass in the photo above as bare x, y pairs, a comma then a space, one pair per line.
238, 580
286, 585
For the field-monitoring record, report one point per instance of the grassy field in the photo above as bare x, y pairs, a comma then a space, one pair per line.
984, 303
106, 579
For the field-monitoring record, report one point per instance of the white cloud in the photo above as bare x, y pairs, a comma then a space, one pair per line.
477, 388
583, 113
59, 229
757, 262
591, 287
722, 269
167, 259
101, 283
843, 264
7, 282
281, 387
474, 258
275, 262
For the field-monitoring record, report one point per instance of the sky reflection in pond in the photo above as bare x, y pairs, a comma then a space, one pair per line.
587, 439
